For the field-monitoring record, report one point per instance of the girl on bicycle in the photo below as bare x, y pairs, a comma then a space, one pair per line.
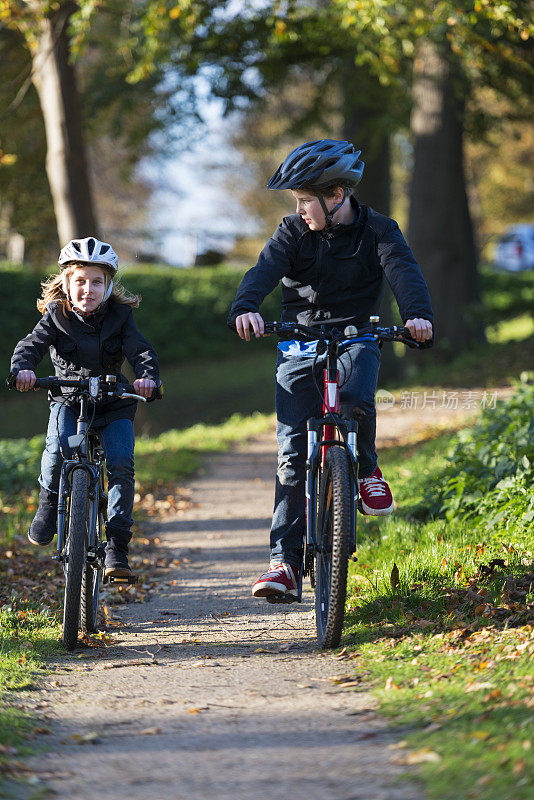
88, 327
331, 256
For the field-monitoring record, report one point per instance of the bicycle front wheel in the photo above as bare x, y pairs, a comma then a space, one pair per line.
75, 557
91, 584
89, 598
333, 547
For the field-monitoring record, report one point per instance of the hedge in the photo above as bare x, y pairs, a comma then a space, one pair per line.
182, 314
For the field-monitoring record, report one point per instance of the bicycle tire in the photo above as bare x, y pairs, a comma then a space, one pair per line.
75, 557
90, 595
333, 547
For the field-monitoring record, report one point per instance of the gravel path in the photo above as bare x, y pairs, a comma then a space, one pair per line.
207, 691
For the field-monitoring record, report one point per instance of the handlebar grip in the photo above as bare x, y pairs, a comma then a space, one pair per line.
46, 383
40, 383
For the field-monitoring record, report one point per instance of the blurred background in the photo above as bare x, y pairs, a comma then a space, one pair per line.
155, 126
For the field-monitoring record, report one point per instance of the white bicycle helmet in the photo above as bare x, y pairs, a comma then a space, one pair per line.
90, 251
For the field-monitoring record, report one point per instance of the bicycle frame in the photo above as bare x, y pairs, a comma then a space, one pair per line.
324, 432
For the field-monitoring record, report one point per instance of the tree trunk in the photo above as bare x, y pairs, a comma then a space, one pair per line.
55, 80
366, 126
440, 230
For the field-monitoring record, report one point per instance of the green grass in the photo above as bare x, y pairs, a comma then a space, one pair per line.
29, 635
447, 641
206, 390
178, 453
485, 365
511, 330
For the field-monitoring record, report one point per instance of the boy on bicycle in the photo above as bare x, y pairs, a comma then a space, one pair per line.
331, 257
88, 327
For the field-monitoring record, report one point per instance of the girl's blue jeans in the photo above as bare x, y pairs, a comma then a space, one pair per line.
117, 440
297, 399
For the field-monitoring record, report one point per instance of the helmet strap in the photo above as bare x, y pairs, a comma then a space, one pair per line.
65, 284
108, 291
330, 214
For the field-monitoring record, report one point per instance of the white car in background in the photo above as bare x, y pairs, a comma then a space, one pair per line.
514, 250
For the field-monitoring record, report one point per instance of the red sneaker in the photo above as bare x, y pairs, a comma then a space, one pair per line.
375, 495
280, 579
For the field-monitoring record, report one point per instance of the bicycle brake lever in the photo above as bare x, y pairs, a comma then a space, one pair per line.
134, 396
408, 342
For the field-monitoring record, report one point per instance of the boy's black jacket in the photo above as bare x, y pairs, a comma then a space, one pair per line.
336, 274
99, 342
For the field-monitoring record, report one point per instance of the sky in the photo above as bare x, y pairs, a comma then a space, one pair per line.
194, 209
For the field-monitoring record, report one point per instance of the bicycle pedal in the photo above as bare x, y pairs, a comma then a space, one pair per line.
278, 599
121, 579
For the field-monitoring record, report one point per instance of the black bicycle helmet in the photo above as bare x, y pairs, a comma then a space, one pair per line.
319, 164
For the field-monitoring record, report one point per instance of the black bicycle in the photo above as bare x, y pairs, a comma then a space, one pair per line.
332, 498
82, 504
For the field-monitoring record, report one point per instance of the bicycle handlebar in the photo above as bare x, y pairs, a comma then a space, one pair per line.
393, 333
93, 386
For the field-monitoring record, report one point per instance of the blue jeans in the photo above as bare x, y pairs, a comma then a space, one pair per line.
297, 399
118, 443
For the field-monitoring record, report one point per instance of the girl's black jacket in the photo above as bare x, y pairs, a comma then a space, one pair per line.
336, 274
89, 346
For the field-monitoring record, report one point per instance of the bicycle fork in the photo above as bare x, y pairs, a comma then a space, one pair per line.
316, 447
65, 487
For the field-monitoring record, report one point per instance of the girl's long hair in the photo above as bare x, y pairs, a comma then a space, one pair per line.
52, 290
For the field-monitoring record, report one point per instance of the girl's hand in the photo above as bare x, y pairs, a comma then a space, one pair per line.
25, 380
420, 329
144, 387
244, 321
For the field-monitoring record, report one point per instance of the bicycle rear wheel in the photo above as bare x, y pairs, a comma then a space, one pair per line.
75, 557
333, 547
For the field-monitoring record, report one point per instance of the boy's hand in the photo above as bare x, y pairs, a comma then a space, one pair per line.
25, 380
245, 321
144, 387
420, 329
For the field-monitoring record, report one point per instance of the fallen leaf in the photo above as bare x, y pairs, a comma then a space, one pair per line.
519, 766
150, 731
86, 738
495, 694
480, 736
423, 756
341, 678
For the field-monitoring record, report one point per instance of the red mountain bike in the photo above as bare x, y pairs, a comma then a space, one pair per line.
331, 476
